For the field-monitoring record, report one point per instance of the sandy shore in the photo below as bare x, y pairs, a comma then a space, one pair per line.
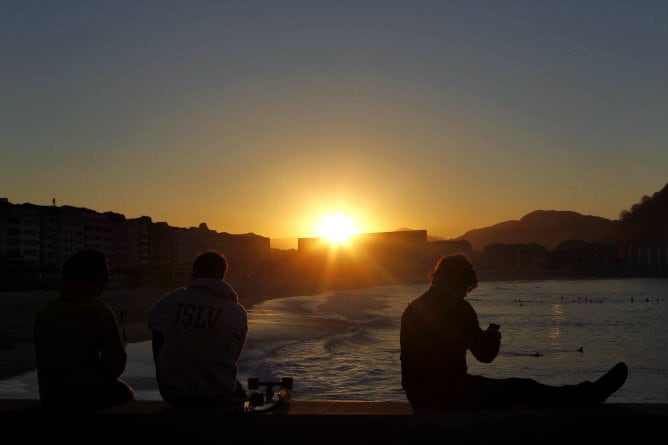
18, 309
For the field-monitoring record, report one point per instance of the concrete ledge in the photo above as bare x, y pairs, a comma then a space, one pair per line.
331, 422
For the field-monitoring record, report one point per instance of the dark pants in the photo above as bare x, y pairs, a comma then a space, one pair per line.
476, 392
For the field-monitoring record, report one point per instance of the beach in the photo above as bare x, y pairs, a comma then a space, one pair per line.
366, 419
344, 344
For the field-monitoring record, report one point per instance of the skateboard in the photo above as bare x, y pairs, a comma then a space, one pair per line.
269, 399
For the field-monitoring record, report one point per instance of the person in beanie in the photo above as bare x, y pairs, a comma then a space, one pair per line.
78, 347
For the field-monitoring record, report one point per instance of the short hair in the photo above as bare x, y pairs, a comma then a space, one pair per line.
87, 265
211, 264
454, 270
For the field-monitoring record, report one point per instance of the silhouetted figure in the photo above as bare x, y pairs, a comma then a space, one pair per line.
198, 335
78, 347
439, 327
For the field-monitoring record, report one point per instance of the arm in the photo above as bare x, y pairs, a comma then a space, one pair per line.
113, 357
486, 346
154, 321
244, 333
157, 340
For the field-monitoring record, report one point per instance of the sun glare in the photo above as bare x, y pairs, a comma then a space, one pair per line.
336, 228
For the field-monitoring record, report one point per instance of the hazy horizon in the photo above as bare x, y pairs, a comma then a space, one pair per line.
265, 117
290, 242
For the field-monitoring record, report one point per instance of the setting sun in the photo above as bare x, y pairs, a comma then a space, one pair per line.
336, 228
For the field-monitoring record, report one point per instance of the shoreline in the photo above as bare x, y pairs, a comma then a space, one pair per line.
18, 309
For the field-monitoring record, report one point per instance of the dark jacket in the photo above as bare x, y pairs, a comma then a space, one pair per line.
436, 331
78, 347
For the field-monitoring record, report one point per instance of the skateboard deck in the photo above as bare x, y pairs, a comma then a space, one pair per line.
269, 399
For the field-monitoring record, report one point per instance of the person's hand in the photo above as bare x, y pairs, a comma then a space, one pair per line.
493, 330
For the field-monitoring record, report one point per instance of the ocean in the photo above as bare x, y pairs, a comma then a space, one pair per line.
344, 345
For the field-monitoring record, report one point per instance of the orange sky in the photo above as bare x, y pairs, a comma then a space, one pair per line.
257, 118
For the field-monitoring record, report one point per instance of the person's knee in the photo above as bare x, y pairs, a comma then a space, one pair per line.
123, 392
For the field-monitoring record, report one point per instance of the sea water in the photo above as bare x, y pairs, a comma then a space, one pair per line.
344, 345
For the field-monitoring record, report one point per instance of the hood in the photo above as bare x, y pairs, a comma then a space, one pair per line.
214, 287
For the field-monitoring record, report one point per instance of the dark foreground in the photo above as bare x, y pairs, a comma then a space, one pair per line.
344, 423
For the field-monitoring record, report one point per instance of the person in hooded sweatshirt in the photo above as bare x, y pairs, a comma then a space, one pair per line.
199, 333
78, 347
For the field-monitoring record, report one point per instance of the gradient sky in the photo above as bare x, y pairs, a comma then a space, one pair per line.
263, 116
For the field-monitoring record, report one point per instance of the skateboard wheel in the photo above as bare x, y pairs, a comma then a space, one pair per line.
253, 383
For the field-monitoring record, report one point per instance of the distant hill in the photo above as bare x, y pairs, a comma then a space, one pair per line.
545, 227
647, 219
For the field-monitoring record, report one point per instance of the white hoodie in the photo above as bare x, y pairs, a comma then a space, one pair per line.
204, 329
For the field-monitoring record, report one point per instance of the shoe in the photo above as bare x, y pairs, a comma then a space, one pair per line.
610, 382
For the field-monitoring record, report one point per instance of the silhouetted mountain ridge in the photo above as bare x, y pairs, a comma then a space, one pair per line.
545, 227
647, 219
